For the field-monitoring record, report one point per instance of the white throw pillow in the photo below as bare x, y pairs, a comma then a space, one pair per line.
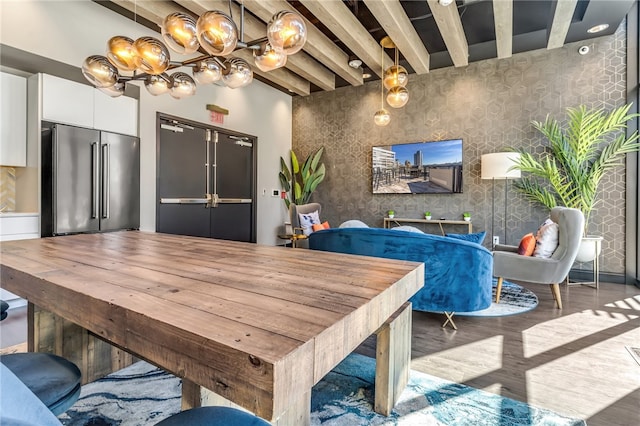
308, 219
546, 239
353, 223
407, 228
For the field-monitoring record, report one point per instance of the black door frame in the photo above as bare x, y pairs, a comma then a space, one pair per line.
160, 116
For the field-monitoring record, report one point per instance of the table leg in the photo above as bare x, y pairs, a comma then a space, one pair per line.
194, 396
393, 359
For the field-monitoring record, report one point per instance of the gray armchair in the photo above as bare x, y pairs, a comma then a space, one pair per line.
294, 211
508, 264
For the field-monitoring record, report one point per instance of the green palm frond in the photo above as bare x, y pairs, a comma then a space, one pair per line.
569, 171
301, 180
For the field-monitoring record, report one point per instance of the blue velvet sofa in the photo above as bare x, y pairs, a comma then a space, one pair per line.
458, 274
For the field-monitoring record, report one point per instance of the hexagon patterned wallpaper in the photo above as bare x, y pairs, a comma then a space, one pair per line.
490, 105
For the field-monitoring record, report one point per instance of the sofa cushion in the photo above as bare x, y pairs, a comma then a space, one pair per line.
320, 226
477, 237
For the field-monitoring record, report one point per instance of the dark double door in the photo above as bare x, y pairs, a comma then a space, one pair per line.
206, 182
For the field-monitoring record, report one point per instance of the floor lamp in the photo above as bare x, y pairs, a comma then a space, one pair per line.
497, 166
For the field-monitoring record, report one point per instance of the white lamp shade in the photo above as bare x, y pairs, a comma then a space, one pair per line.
497, 165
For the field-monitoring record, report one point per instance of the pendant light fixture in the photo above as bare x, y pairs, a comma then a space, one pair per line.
148, 58
395, 78
381, 117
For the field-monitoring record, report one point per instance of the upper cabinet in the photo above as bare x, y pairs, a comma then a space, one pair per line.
68, 102
13, 120
64, 101
119, 115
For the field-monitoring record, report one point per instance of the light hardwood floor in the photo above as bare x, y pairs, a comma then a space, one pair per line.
573, 361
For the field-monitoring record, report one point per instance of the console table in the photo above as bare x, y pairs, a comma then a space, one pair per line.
388, 221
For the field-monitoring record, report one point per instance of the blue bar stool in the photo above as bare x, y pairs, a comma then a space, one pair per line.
213, 416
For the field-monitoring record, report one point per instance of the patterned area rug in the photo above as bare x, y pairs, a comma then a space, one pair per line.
142, 395
514, 300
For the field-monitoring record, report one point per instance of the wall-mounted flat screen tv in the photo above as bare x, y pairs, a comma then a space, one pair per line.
418, 168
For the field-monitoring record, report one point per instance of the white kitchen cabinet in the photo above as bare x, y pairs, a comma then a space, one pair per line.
17, 226
77, 104
119, 115
67, 102
13, 120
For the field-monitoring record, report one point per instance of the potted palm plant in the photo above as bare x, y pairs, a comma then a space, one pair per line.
569, 171
300, 181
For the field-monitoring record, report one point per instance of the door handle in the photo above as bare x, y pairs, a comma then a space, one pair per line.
96, 177
206, 200
234, 200
105, 180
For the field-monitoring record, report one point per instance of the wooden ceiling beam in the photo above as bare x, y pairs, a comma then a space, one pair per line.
397, 25
318, 45
450, 25
301, 63
561, 22
503, 20
155, 11
337, 17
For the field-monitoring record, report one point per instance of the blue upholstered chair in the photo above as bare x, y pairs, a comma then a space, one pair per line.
457, 273
53, 379
213, 416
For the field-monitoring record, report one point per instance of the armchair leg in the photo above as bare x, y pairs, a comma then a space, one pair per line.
449, 320
498, 289
555, 290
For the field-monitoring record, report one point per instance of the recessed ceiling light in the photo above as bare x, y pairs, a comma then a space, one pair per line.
366, 75
597, 28
355, 63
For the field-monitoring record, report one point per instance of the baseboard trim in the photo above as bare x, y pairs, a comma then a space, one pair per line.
587, 275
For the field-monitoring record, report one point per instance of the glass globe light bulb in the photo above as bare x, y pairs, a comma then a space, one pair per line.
122, 54
381, 118
99, 71
217, 33
287, 31
154, 55
395, 76
182, 85
237, 73
207, 71
115, 90
179, 33
397, 97
267, 58
156, 85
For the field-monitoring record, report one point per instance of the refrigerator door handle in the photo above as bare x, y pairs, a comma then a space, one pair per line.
95, 176
207, 200
105, 180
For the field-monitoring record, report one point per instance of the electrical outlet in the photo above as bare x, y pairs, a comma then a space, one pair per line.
496, 240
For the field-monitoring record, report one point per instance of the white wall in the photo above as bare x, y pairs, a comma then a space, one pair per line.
69, 31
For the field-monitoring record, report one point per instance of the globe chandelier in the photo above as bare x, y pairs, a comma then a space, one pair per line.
215, 32
394, 79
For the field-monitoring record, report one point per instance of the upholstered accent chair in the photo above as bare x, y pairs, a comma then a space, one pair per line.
299, 239
213, 416
56, 381
508, 264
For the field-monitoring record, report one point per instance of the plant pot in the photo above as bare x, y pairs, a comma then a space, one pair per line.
467, 219
427, 217
589, 249
391, 216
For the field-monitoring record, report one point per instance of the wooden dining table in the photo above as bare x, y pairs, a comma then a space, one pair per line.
240, 323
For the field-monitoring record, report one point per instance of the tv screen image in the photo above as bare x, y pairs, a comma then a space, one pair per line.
418, 168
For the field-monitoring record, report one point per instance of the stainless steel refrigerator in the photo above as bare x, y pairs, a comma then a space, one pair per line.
90, 180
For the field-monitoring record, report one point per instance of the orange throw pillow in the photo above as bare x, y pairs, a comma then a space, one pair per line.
527, 245
320, 226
